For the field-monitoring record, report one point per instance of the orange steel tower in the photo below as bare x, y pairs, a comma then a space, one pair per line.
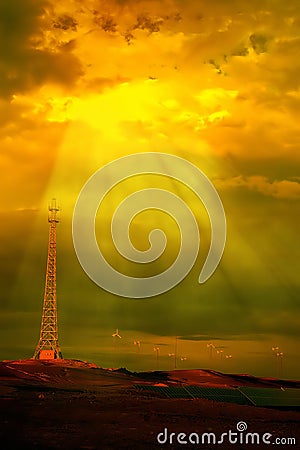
48, 346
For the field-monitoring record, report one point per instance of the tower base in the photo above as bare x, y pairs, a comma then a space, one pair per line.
48, 354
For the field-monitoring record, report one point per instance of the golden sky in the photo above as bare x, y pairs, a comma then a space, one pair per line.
85, 82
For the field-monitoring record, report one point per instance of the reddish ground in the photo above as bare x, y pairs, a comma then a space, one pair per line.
74, 405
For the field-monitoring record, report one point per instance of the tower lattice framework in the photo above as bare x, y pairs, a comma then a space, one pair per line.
48, 346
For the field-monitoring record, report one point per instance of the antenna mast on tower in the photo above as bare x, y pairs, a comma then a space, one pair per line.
48, 346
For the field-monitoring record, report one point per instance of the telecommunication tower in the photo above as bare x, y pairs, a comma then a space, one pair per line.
48, 346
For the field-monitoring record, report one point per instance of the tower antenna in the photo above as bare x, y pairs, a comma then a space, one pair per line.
48, 346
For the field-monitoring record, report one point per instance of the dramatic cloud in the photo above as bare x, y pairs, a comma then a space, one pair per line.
283, 189
25, 63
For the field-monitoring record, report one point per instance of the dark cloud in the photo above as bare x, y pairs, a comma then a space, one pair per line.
25, 63
106, 22
65, 22
259, 43
146, 22
19, 19
217, 67
129, 37
32, 68
203, 337
240, 51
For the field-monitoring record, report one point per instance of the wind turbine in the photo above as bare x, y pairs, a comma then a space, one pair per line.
172, 355
220, 352
175, 356
211, 347
280, 355
275, 350
156, 349
116, 336
137, 343
228, 357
